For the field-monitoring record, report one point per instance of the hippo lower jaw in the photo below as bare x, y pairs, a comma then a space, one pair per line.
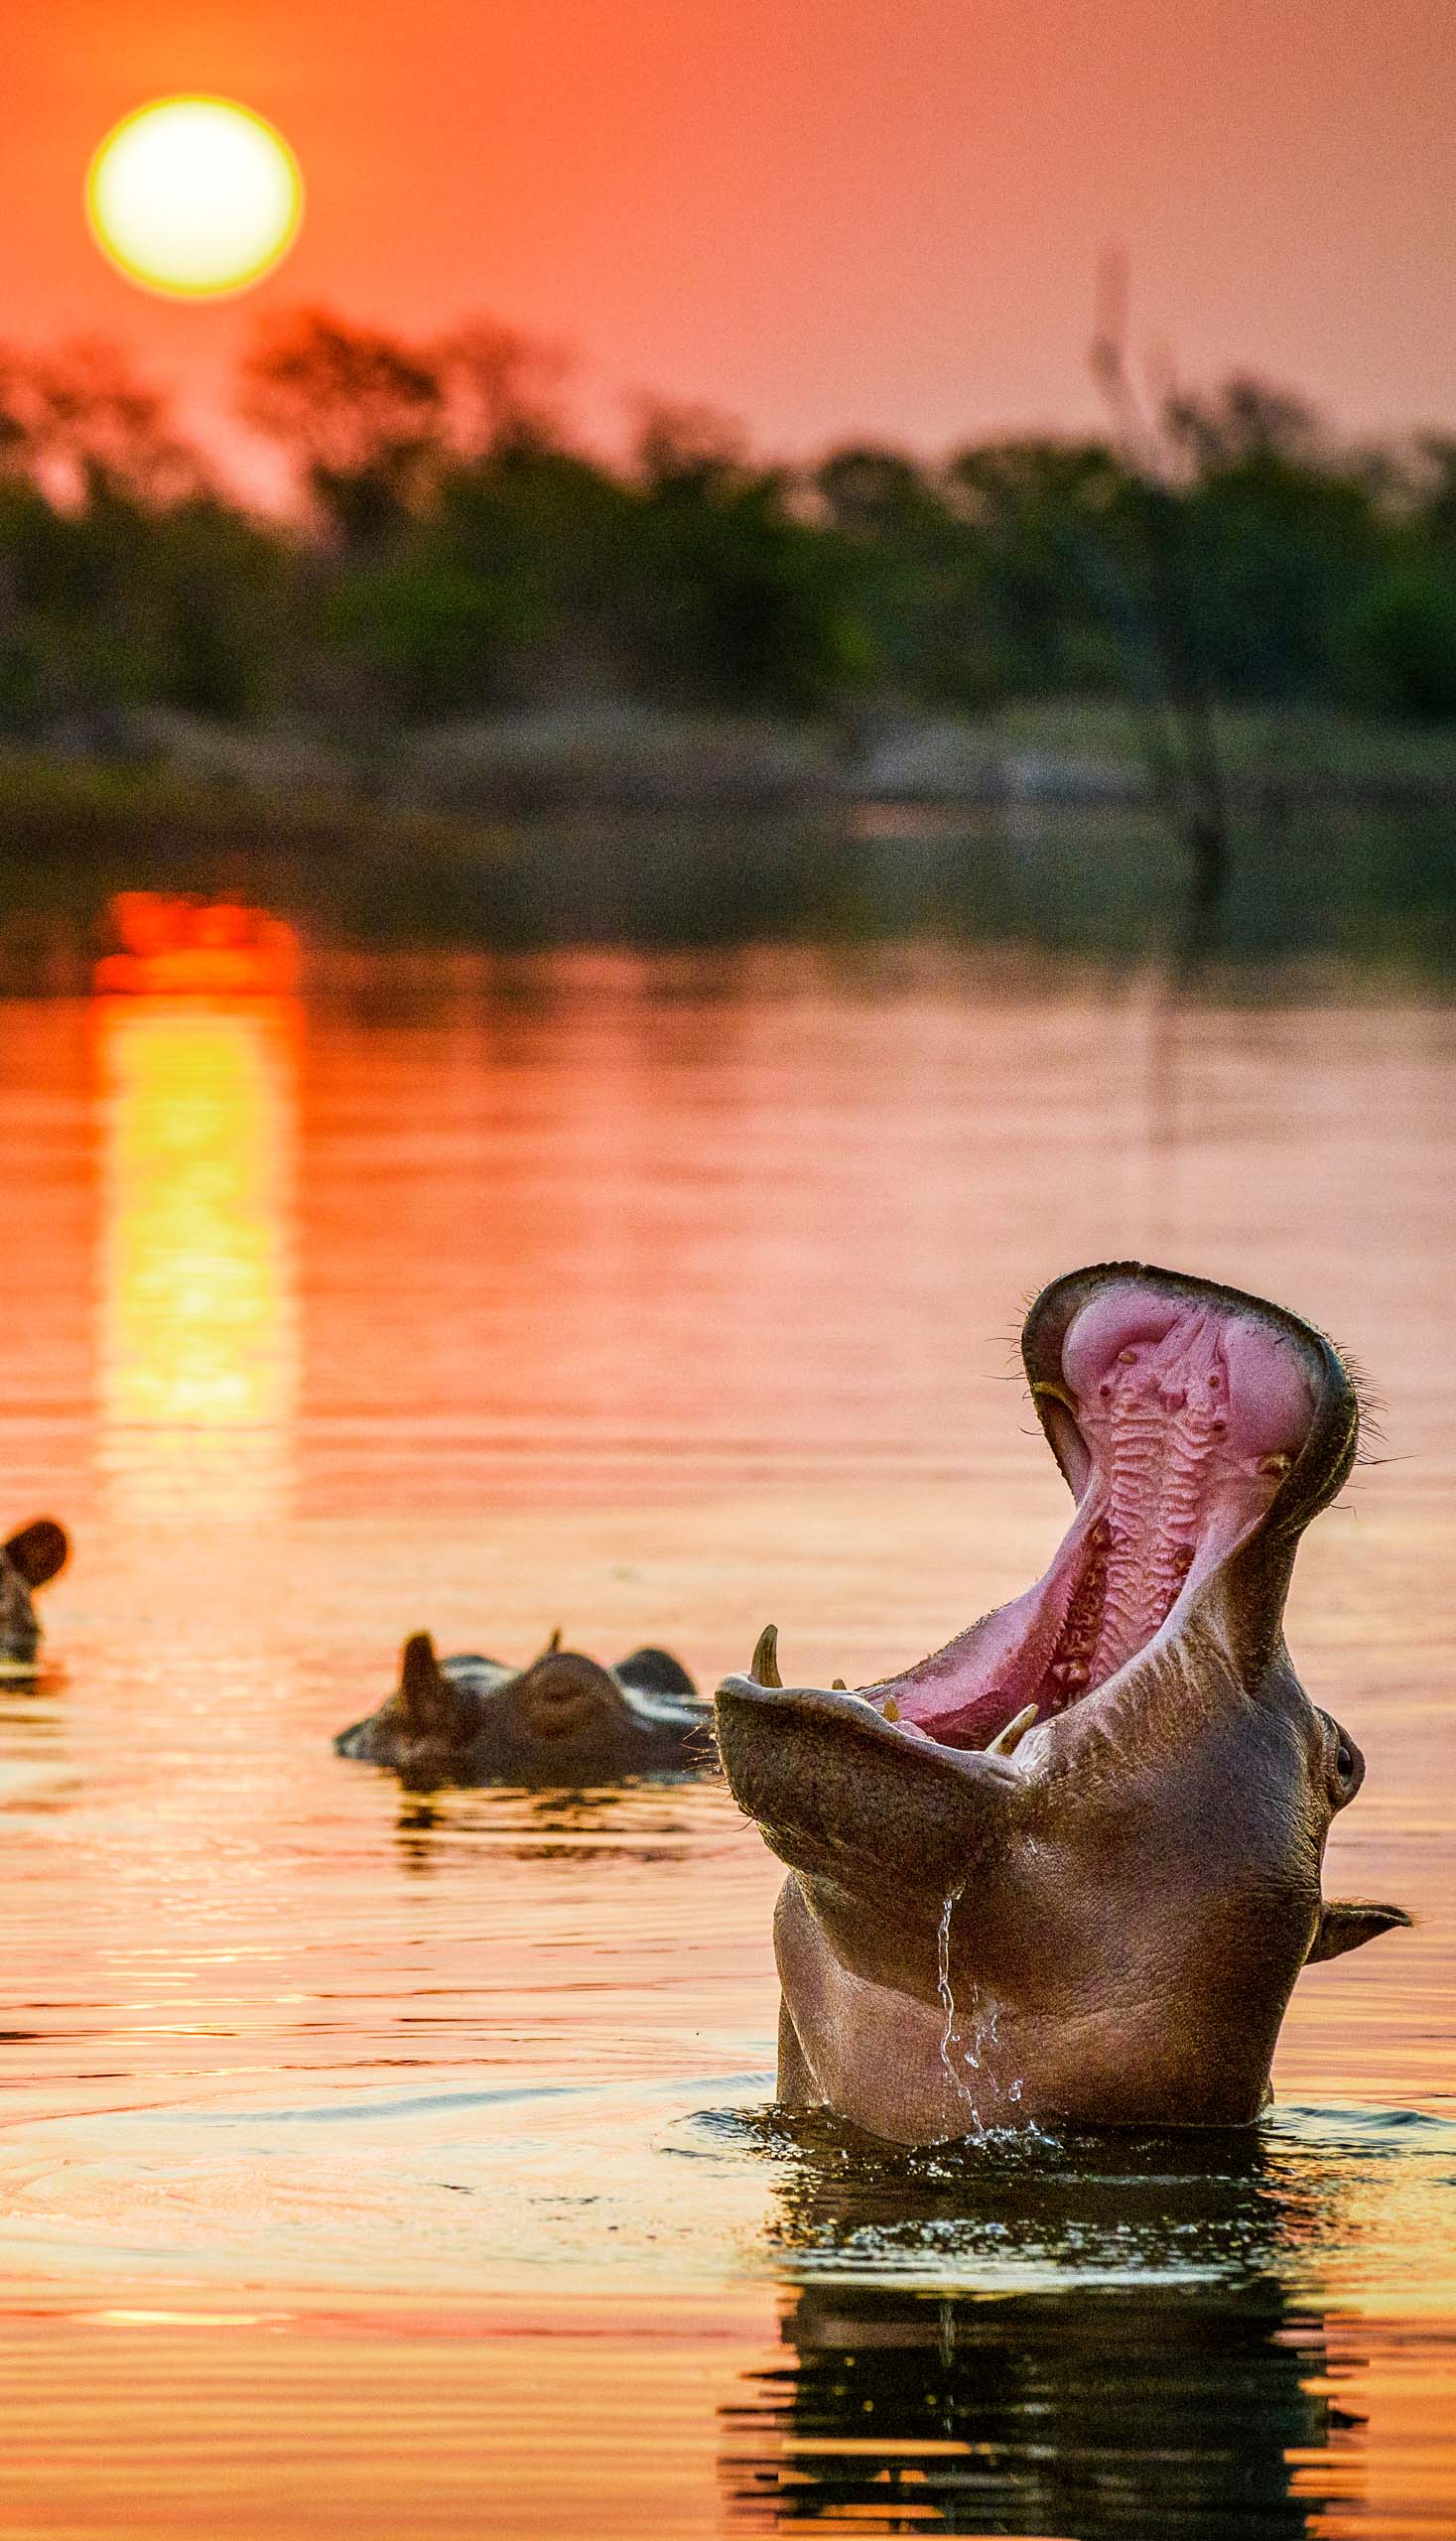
1076, 1853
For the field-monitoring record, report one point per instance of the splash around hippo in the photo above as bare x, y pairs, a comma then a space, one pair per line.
561, 1723
1070, 1866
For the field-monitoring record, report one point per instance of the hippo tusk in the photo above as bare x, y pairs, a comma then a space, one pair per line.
1009, 1738
553, 1645
763, 1668
838, 1687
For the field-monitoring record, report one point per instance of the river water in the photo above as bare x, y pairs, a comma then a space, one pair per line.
376, 2164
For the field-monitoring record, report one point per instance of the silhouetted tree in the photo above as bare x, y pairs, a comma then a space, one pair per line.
499, 389
523, 580
80, 426
1038, 509
1287, 535
361, 416
918, 577
1213, 546
741, 599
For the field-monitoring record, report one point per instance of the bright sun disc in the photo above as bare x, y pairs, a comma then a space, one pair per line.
194, 196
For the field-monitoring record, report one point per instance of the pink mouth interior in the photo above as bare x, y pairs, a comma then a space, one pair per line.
1176, 1422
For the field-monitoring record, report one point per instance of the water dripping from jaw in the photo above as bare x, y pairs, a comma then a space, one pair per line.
943, 1976
985, 2027
947, 1999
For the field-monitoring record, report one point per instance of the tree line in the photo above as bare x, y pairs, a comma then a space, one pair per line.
456, 549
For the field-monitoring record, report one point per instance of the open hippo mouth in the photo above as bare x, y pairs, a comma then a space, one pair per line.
1071, 1863
1199, 1430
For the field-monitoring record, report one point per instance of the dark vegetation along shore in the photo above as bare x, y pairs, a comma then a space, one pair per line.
482, 683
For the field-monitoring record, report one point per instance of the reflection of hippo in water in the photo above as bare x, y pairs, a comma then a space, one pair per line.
563, 1722
31, 1557
1112, 2336
1070, 1865
1102, 2416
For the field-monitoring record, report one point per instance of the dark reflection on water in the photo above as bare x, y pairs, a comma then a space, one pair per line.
635, 1822
1109, 2415
1164, 2379
1362, 871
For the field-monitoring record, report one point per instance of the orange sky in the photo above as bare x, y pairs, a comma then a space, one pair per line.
825, 215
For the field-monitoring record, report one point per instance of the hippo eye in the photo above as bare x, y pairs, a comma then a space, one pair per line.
1344, 1764
1346, 1768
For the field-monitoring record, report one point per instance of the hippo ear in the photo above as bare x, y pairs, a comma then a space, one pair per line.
654, 1671
431, 1706
39, 1551
1344, 1924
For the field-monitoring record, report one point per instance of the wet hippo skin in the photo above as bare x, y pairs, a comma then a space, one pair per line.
27, 1560
1070, 1865
562, 1722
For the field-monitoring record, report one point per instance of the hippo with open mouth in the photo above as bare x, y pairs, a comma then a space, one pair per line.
563, 1723
1069, 1866
31, 1557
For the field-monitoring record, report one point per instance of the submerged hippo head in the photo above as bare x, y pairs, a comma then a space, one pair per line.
561, 1723
27, 1562
1070, 1865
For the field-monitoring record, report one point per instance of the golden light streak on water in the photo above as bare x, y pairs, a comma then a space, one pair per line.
198, 1339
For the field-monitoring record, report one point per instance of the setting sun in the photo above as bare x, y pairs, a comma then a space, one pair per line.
194, 196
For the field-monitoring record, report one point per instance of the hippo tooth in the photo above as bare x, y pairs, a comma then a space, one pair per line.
1014, 1731
838, 1686
553, 1643
764, 1669
891, 1708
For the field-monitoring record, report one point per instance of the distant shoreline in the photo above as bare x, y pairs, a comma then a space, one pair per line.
612, 754
631, 825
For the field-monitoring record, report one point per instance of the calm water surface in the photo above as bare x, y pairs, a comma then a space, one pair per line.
383, 2165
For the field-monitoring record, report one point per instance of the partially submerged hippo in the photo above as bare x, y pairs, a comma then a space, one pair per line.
1070, 1865
563, 1723
31, 1557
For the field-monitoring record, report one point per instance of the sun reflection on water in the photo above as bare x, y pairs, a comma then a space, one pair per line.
198, 1309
